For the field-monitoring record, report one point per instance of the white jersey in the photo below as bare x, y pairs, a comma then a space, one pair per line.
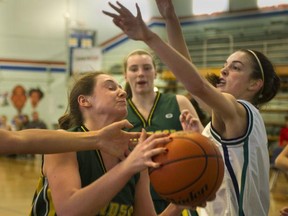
245, 187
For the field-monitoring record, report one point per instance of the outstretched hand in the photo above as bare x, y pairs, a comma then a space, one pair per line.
133, 26
189, 122
117, 142
284, 211
148, 147
166, 8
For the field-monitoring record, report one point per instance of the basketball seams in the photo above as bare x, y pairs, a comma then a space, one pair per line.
204, 155
216, 179
191, 141
195, 180
186, 158
207, 159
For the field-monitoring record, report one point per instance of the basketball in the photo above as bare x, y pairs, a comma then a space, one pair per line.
191, 172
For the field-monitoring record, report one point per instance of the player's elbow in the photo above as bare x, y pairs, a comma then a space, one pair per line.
280, 163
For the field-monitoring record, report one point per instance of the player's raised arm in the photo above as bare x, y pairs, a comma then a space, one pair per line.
185, 71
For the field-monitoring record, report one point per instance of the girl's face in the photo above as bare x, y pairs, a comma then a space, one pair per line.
108, 98
140, 73
235, 77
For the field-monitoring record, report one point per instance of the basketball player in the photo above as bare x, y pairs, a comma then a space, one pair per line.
93, 182
154, 111
247, 81
111, 139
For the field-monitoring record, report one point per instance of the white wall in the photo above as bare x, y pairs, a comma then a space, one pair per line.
36, 30
53, 104
32, 29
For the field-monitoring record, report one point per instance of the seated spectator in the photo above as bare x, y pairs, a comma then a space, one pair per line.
36, 122
4, 124
25, 121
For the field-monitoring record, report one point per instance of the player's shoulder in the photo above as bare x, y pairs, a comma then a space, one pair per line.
182, 99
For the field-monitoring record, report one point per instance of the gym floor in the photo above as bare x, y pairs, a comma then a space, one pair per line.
19, 177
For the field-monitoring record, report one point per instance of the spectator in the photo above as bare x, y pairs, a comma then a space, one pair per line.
283, 137
4, 124
36, 122
25, 121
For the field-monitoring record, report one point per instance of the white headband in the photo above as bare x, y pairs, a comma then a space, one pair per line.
259, 63
260, 66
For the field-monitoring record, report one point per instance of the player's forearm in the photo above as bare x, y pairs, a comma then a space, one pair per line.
184, 70
175, 35
282, 162
47, 141
172, 210
96, 195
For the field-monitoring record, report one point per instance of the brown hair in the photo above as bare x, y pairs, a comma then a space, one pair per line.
127, 87
39, 92
271, 80
83, 86
260, 63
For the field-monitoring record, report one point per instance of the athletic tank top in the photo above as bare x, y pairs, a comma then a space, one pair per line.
245, 187
163, 117
91, 167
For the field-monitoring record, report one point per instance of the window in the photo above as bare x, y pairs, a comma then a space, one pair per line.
269, 3
209, 6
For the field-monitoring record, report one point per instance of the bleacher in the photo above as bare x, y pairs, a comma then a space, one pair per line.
211, 42
212, 38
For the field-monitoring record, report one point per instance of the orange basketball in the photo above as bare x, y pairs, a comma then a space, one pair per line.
191, 171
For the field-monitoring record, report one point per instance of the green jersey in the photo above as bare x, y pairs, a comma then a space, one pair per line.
164, 115
91, 167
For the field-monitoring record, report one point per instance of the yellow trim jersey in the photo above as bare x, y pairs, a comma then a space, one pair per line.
91, 167
164, 115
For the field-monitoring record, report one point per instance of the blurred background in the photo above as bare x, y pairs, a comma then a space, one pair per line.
43, 44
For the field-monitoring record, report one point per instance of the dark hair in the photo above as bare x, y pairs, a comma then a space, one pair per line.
38, 90
83, 86
271, 80
127, 87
